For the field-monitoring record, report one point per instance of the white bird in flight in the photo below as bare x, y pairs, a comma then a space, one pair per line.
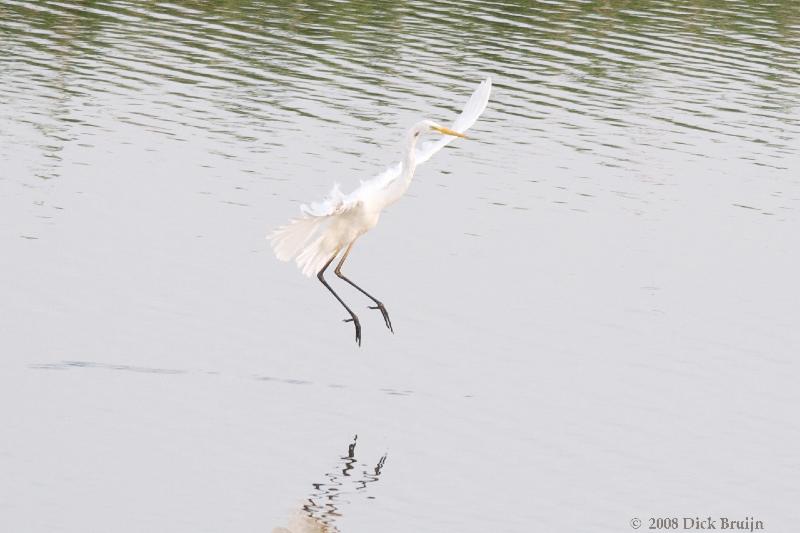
333, 225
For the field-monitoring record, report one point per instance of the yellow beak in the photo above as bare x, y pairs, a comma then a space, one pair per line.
448, 131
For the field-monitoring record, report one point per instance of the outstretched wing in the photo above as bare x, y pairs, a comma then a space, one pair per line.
337, 202
474, 108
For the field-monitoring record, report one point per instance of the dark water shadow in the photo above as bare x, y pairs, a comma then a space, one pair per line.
67, 365
76, 365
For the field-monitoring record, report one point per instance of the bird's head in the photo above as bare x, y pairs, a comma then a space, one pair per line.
425, 126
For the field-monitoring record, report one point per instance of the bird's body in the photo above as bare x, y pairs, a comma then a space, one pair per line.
331, 226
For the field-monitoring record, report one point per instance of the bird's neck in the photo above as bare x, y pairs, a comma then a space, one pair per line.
402, 182
409, 160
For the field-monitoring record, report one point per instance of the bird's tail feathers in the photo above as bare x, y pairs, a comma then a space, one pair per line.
314, 256
301, 239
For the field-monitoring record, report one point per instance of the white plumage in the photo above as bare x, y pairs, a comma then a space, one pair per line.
327, 227
310, 239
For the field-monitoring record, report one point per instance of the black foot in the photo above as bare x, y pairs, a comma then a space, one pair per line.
357, 324
385, 315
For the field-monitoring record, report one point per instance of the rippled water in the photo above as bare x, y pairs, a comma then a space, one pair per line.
594, 298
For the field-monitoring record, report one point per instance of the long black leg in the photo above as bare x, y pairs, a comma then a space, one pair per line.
353, 318
378, 305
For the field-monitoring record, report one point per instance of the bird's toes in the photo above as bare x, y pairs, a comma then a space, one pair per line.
384, 313
357, 324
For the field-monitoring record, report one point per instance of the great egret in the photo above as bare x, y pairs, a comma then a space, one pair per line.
333, 225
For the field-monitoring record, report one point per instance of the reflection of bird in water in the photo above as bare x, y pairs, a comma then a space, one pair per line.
320, 511
332, 226
301, 523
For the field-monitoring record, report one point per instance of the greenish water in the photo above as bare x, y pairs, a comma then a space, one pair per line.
625, 84
594, 297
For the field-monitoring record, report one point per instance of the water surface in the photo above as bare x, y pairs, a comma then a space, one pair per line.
594, 298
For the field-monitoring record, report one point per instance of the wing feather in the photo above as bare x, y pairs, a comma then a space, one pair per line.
474, 108
336, 202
